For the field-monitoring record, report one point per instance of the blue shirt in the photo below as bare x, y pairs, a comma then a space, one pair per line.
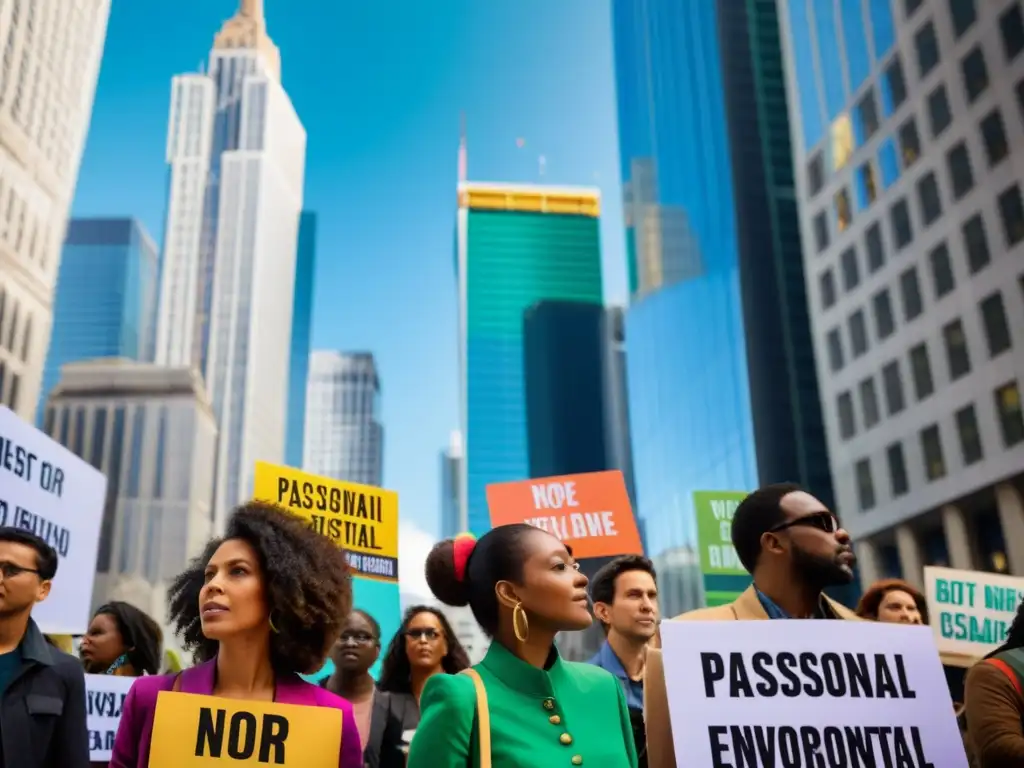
775, 612
606, 659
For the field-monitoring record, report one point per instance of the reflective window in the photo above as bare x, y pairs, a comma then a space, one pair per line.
821, 237
865, 122
868, 402
970, 437
993, 135
993, 319
910, 290
975, 73
858, 334
835, 350
902, 231
927, 46
885, 324
963, 14
928, 198
135, 457
803, 59
942, 270
844, 410
855, 40
957, 356
843, 211
961, 177
875, 248
910, 143
897, 469
931, 449
865, 185
1011, 420
882, 26
99, 434
976, 243
816, 173
1011, 211
921, 370
865, 485
1011, 27
161, 452
828, 57
827, 288
939, 113
894, 87
892, 386
888, 163
850, 268
78, 443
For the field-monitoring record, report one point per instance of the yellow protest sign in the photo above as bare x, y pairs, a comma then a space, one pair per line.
190, 730
362, 519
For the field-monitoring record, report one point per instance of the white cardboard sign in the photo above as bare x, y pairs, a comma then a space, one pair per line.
970, 611
104, 700
46, 489
820, 694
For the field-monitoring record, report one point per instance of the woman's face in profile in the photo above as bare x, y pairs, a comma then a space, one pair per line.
425, 643
553, 588
233, 599
898, 607
102, 644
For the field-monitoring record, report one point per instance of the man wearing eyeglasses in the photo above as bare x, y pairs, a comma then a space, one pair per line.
794, 548
42, 690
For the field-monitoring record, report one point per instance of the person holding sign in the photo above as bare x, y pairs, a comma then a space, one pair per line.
522, 706
794, 548
260, 606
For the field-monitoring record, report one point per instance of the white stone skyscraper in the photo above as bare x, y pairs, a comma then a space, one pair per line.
237, 152
48, 70
344, 438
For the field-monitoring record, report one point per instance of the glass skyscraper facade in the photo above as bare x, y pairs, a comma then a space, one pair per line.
516, 246
105, 301
302, 321
690, 412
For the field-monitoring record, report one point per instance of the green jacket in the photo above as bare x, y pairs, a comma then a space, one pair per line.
531, 712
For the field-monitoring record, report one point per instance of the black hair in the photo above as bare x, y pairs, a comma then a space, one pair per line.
1014, 636
499, 555
306, 580
757, 514
602, 586
395, 670
142, 636
374, 624
46, 556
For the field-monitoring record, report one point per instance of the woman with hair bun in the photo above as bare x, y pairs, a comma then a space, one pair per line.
522, 706
258, 607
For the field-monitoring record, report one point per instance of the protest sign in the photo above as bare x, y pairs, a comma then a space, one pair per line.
362, 519
590, 512
46, 489
723, 574
970, 611
104, 700
808, 694
191, 730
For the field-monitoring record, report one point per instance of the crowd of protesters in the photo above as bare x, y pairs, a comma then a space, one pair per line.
272, 599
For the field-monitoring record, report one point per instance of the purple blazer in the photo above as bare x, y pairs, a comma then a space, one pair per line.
131, 746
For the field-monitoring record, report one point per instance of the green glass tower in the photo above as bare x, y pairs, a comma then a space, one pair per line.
517, 246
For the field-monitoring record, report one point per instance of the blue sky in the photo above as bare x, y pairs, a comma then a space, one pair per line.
379, 87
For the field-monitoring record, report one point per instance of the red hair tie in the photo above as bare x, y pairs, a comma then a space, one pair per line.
462, 548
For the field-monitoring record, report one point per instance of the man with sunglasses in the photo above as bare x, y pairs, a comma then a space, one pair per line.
794, 548
42, 690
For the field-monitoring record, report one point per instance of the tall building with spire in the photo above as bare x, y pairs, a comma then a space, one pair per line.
237, 152
48, 74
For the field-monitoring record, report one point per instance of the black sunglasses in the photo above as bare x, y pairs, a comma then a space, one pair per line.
823, 521
428, 633
10, 570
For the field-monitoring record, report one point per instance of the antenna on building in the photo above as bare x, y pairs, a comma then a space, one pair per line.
463, 159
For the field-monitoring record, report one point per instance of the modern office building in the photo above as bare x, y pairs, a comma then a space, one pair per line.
451, 514
46, 96
236, 151
616, 400
908, 139
105, 302
687, 373
516, 245
344, 438
151, 431
302, 326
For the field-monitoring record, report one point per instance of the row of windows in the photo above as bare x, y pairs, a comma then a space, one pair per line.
866, 119
1007, 404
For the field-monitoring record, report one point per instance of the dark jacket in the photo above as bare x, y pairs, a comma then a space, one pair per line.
393, 715
42, 712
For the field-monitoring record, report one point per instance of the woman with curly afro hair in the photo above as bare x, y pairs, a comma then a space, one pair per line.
259, 607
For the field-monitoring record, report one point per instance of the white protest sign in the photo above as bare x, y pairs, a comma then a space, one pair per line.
808, 694
970, 611
104, 700
46, 489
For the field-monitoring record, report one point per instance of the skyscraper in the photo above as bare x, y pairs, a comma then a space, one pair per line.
451, 460
302, 321
516, 246
46, 96
105, 303
688, 382
344, 438
908, 146
237, 154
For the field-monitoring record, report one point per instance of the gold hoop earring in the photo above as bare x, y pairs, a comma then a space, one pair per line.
519, 614
270, 620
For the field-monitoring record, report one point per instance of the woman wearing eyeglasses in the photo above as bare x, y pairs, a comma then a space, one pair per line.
381, 718
424, 646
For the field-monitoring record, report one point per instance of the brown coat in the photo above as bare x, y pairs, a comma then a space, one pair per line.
747, 607
994, 709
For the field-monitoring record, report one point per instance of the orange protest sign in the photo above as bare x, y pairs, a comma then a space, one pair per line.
589, 512
190, 730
